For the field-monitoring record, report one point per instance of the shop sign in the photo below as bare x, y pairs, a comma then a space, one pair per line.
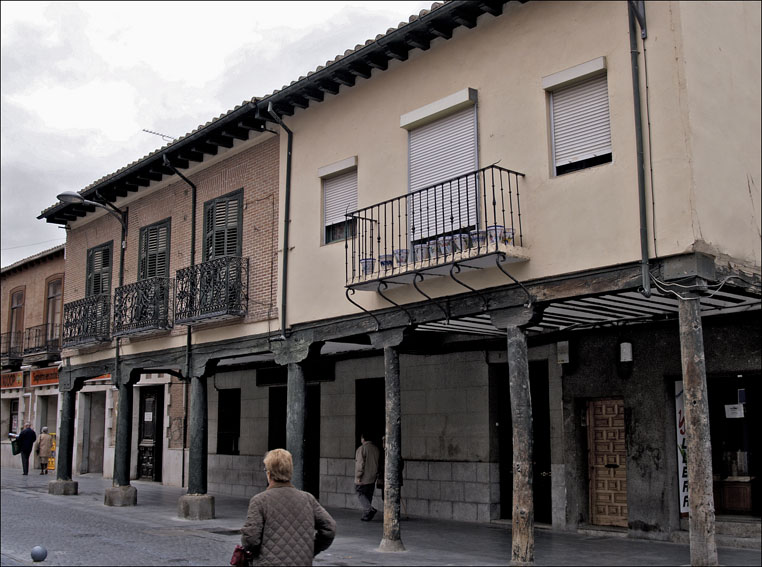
44, 376
99, 378
682, 447
12, 380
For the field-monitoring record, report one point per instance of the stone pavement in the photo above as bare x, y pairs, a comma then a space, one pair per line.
80, 530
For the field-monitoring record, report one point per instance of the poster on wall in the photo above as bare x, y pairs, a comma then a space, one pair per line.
682, 463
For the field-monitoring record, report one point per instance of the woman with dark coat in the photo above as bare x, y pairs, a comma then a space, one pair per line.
284, 525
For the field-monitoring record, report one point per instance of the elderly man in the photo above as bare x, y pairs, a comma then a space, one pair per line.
26, 441
44, 449
285, 526
367, 459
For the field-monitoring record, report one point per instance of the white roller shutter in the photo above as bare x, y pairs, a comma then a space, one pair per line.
339, 197
581, 126
438, 152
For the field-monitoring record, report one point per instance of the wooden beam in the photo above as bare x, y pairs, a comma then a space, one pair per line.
328, 86
251, 124
188, 155
377, 62
313, 94
344, 78
440, 29
151, 174
205, 148
223, 141
418, 40
141, 179
298, 101
360, 69
396, 51
465, 18
234, 132
494, 8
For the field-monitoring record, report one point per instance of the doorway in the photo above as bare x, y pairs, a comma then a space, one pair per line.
607, 460
93, 431
502, 431
370, 410
150, 438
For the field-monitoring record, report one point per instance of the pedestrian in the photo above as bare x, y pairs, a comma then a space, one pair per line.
284, 525
43, 448
367, 458
26, 441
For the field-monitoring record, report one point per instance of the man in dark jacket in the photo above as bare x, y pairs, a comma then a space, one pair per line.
26, 441
285, 526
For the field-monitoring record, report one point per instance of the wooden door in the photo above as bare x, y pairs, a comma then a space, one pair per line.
608, 462
150, 433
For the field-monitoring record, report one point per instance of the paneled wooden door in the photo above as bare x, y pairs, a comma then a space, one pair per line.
608, 462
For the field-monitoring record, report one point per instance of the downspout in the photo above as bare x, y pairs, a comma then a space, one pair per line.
286, 220
188, 337
638, 10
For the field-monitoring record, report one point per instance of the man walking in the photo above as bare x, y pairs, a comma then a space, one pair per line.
366, 471
26, 441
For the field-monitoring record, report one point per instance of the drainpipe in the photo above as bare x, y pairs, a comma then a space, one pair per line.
638, 10
188, 343
286, 220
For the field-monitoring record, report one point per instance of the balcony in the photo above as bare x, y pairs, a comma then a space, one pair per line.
42, 340
212, 291
11, 347
469, 222
143, 307
87, 321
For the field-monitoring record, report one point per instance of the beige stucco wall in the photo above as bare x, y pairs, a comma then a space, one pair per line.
721, 72
573, 222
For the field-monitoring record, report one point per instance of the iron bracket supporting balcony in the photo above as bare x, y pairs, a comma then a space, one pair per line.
349, 289
432, 300
500, 257
456, 266
383, 284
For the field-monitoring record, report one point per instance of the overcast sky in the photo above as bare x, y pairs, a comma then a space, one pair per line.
81, 80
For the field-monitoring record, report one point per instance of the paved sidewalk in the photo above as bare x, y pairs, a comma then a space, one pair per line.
428, 542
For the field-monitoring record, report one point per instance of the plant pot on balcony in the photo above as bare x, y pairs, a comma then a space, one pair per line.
367, 265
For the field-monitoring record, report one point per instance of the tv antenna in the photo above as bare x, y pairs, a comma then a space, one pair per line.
164, 137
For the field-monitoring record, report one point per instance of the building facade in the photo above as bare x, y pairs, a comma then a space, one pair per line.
32, 307
491, 194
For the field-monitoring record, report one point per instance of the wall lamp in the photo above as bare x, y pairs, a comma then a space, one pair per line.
76, 199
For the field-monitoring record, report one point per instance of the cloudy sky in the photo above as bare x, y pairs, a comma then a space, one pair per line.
81, 80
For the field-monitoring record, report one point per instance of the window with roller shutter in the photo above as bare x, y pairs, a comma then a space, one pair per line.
99, 270
154, 250
581, 125
223, 218
339, 197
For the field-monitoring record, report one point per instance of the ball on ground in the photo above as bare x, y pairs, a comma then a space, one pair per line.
39, 553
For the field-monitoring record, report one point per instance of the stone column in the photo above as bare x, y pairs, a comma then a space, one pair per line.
295, 411
64, 485
121, 493
390, 340
294, 352
197, 504
522, 533
699, 447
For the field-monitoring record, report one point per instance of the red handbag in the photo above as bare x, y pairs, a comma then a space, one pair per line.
241, 556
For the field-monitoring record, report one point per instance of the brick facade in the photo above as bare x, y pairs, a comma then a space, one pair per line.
255, 170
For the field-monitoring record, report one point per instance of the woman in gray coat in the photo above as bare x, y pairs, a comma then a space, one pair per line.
284, 525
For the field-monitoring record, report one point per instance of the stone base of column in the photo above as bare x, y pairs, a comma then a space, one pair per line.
391, 545
63, 487
196, 507
121, 496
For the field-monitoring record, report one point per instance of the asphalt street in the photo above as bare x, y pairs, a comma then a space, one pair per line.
80, 530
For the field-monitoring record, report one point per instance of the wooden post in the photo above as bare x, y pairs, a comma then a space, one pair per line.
390, 340
522, 534
699, 447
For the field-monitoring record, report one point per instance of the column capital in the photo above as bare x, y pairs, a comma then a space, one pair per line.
519, 316
295, 350
388, 337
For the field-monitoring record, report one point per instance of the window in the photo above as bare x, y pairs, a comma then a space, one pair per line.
438, 151
339, 198
580, 122
153, 259
53, 302
17, 317
223, 218
14, 422
99, 270
229, 421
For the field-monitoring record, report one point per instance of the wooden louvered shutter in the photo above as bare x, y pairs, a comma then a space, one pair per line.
99, 270
154, 251
223, 218
581, 124
440, 151
339, 197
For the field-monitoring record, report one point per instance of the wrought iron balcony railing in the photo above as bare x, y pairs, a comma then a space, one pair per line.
87, 321
42, 339
11, 345
464, 220
217, 289
142, 307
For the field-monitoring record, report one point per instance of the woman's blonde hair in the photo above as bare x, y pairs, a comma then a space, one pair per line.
279, 464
